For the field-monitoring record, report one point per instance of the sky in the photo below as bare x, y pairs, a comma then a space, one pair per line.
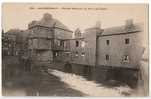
83, 16
19, 15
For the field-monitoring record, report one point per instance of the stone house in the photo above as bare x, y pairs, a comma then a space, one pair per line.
120, 46
13, 42
113, 47
50, 40
47, 39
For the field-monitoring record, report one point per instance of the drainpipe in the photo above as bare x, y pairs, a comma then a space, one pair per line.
53, 43
97, 46
96, 51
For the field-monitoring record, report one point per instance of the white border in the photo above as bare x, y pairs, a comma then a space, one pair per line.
77, 1
80, 1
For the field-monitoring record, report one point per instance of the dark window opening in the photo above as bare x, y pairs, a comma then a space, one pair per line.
126, 57
83, 54
107, 42
61, 43
77, 43
127, 41
107, 57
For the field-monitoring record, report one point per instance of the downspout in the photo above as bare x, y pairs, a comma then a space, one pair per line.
53, 38
97, 47
96, 51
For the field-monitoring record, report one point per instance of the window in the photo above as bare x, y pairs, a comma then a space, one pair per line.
61, 43
65, 44
127, 41
107, 42
77, 43
76, 54
82, 54
56, 54
16, 53
126, 58
83, 44
8, 53
107, 57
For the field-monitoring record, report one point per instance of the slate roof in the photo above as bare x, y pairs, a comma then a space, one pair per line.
48, 21
121, 29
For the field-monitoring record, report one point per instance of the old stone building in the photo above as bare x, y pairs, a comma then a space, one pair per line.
76, 47
110, 53
84, 46
13, 42
120, 46
47, 39
115, 47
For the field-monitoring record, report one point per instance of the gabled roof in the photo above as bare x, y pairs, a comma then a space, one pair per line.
48, 21
58, 24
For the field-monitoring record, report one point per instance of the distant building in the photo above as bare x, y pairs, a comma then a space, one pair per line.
14, 42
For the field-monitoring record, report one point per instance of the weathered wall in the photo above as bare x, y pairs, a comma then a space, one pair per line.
76, 52
42, 56
39, 44
85, 54
117, 49
62, 34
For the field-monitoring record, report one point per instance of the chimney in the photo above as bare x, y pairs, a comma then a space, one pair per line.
129, 22
98, 24
129, 25
47, 16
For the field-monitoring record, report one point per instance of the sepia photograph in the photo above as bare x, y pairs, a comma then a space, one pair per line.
75, 49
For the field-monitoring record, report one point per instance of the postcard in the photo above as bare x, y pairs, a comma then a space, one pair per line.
75, 49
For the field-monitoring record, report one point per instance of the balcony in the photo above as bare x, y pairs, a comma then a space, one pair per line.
61, 48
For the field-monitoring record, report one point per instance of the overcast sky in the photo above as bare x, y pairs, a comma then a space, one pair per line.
19, 15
